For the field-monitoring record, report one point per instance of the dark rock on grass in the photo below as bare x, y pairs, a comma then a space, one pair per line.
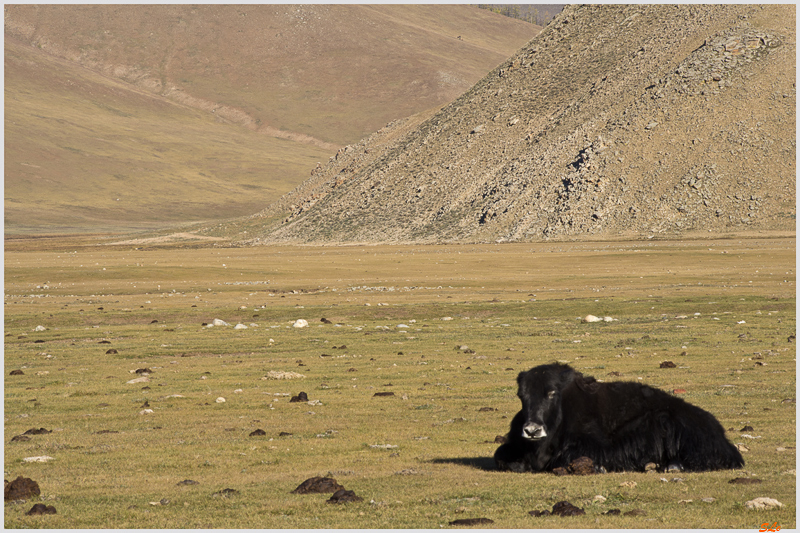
563, 508
104, 342
747, 428
567, 509
745, 481
344, 496
187, 482
40, 431
258, 433
383, 394
325, 321
667, 364
501, 439
302, 397
318, 485
111, 351
105, 431
613, 512
486, 409
284, 434
20, 438
225, 493
41, 508
582, 466
143, 371
16, 373
21, 488
471, 522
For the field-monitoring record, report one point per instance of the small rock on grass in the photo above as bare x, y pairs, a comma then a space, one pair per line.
763, 503
317, 485
41, 508
744, 481
37, 459
567, 509
344, 496
301, 397
187, 482
258, 433
563, 508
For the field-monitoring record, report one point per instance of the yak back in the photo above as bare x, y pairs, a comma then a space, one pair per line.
605, 409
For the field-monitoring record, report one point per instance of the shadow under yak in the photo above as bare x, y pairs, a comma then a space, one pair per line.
481, 463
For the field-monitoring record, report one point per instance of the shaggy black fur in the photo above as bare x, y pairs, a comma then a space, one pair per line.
620, 426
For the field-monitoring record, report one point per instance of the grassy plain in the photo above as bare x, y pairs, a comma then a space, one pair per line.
722, 310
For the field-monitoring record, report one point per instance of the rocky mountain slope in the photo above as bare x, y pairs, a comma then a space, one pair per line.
615, 121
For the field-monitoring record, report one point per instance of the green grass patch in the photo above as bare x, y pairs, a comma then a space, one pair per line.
420, 457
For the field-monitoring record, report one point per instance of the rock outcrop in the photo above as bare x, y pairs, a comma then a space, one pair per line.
616, 121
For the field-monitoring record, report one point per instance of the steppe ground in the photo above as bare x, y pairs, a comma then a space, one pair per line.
445, 329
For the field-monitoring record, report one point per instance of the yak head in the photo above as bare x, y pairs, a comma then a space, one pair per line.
540, 390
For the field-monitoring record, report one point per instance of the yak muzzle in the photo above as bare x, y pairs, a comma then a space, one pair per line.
532, 431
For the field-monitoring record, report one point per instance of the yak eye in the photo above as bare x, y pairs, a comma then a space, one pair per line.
551, 394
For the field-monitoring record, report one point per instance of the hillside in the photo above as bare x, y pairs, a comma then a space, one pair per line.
188, 113
615, 121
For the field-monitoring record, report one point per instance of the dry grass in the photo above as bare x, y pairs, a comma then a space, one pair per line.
514, 305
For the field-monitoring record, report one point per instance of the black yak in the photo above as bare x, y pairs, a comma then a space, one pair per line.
619, 426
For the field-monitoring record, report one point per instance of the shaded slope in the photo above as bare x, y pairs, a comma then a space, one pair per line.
614, 121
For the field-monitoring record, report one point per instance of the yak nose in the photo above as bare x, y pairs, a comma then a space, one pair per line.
534, 431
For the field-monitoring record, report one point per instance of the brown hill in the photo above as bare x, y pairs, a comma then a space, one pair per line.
197, 112
331, 72
616, 121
